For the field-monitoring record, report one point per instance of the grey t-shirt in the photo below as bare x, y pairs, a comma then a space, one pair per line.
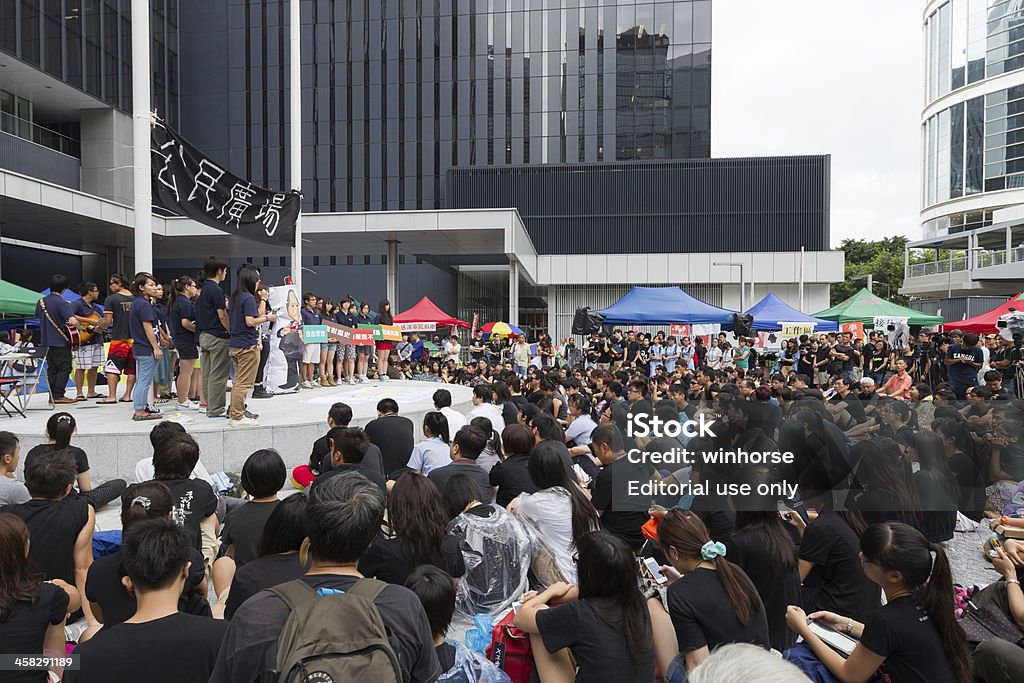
12, 491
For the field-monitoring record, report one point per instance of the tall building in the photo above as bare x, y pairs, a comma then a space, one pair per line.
510, 157
972, 141
396, 93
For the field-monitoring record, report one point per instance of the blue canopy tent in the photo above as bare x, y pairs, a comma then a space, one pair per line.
770, 311
664, 306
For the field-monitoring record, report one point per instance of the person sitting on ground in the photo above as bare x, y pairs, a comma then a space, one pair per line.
711, 602
483, 406
340, 415
417, 521
582, 425
511, 475
12, 491
263, 475
495, 546
435, 449
1006, 465
559, 510
343, 516
610, 488
436, 592
393, 434
32, 611
195, 504
349, 446
157, 643
62, 524
915, 636
277, 557
443, 404
59, 429
602, 621
111, 602
467, 445
161, 430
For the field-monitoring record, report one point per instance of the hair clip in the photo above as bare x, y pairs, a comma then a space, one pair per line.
141, 500
64, 417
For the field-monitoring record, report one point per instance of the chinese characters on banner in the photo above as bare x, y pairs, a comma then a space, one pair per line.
679, 330
795, 330
856, 329
191, 185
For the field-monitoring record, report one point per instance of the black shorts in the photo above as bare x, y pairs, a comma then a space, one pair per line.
186, 348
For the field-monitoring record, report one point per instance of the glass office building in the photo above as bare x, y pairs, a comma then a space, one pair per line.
399, 91
972, 132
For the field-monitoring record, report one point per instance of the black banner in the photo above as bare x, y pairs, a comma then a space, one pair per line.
191, 185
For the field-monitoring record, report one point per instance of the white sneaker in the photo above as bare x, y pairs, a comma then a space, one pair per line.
305, 384
384, 378
244, 422
350, 380
187, 405
362, 379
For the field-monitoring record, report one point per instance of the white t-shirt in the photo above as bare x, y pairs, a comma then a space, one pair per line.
491, 412
550, 512
580, 430
456, 420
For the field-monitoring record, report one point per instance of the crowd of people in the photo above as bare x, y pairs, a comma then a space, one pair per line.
405, 535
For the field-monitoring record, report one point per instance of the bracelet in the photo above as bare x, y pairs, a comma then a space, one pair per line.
849, 626
1009, 581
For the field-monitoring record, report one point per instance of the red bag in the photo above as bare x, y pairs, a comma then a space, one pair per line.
510, 649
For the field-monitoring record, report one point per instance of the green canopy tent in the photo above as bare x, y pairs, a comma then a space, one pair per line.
17, 302
865, 306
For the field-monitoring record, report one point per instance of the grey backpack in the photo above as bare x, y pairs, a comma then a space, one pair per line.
334, 638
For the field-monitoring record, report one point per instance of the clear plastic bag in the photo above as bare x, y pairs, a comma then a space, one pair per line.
471, 667
497, 551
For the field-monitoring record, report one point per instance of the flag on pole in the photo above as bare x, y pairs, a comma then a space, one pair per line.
190, 184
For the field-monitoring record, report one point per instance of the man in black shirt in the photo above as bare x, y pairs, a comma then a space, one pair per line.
621, 514
340, 415
120, 359
343, 517
350, 447
158, 643
477, 350
467, 445
212, 327
393, 434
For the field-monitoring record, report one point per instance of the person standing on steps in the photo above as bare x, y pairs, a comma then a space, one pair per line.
55, 316
212, 325
120, 359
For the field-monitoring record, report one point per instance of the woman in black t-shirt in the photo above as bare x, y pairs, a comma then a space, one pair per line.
277, 558
886, 478
111, 602
32, 613
936, 487
416, 515
602, 621
59, 430
711, 601
958, 448
914, 637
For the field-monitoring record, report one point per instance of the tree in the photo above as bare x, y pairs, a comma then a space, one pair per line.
883, 259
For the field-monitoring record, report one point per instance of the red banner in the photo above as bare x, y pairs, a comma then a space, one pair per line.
679, 330
362, 337
855, 328
476, 320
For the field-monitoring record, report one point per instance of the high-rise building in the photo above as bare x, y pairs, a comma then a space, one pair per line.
972, 142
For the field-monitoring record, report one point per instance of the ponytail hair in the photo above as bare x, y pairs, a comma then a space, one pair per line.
148, 500
437, 423
60, 427
684, 531
925, 568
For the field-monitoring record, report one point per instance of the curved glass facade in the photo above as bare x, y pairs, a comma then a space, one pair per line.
975, 145
402, 90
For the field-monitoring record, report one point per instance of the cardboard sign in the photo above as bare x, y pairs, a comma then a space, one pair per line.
391, 333
796, 329
362, 337
377, 334
417, 327
314, 334
341, 334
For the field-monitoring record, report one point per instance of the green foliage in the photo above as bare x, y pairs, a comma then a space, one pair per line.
882, 258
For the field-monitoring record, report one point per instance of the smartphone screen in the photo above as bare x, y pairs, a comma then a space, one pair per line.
654, 570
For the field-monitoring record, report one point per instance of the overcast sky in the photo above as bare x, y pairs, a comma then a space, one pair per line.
822, 77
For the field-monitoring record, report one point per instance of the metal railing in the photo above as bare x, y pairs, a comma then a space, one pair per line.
937, 267
26, 130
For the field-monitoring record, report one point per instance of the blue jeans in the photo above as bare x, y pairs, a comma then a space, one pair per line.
145, 370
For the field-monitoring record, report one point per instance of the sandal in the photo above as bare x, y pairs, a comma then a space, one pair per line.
107, 402
91, 397
147, 416
124, 400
